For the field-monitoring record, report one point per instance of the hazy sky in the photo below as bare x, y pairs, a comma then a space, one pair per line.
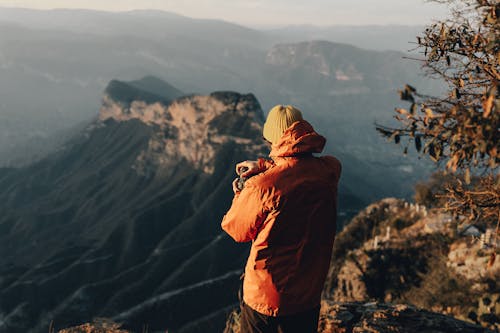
268, 12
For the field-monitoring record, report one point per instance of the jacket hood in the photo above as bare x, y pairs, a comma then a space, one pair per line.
299, 138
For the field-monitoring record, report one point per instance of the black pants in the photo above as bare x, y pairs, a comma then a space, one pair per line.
252, 321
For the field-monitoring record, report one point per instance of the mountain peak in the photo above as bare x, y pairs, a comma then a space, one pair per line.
194, 127
125, 93
126, 100
190, 128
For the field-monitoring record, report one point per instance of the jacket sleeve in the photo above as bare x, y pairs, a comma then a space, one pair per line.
247, 213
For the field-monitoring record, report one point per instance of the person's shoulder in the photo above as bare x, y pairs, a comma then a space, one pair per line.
333, 166
331, 160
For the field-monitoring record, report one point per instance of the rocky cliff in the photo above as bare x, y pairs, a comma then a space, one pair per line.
395, 251
124, 221
191, 128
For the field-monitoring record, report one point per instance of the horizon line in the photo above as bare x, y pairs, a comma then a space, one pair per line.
251, 26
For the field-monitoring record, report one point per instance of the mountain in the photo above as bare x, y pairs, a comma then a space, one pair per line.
37, 145
127, 213
376, 37
125, 93
344, 90
400, 267
334, 69
51, 80
54, 65
155, 24
124, 220
63, 68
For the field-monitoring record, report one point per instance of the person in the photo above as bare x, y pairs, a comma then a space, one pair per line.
287, 208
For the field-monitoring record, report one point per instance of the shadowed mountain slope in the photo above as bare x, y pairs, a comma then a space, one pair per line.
126, 217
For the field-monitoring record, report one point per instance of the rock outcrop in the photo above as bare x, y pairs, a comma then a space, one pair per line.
98, 326
394, 251
191, 128
359, 317
385, 318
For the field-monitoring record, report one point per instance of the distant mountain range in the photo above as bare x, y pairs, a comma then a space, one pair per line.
55, 64
375, 37
51, 80
344, 90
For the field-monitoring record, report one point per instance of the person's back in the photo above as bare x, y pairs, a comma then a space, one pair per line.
289, 212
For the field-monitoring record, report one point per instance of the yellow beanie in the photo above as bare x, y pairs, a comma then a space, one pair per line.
278, 120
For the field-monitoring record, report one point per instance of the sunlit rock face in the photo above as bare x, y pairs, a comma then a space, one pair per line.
191, 128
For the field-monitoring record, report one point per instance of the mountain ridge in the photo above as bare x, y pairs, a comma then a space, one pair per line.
124, 214
206, 62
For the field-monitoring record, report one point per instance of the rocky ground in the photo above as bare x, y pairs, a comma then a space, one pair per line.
98, 326
358, 317
398, 252
353, 317
381, 318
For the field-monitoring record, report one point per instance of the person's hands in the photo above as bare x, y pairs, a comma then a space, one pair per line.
252, 168
235, 186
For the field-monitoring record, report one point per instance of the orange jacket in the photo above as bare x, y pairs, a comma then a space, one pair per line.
288, 211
